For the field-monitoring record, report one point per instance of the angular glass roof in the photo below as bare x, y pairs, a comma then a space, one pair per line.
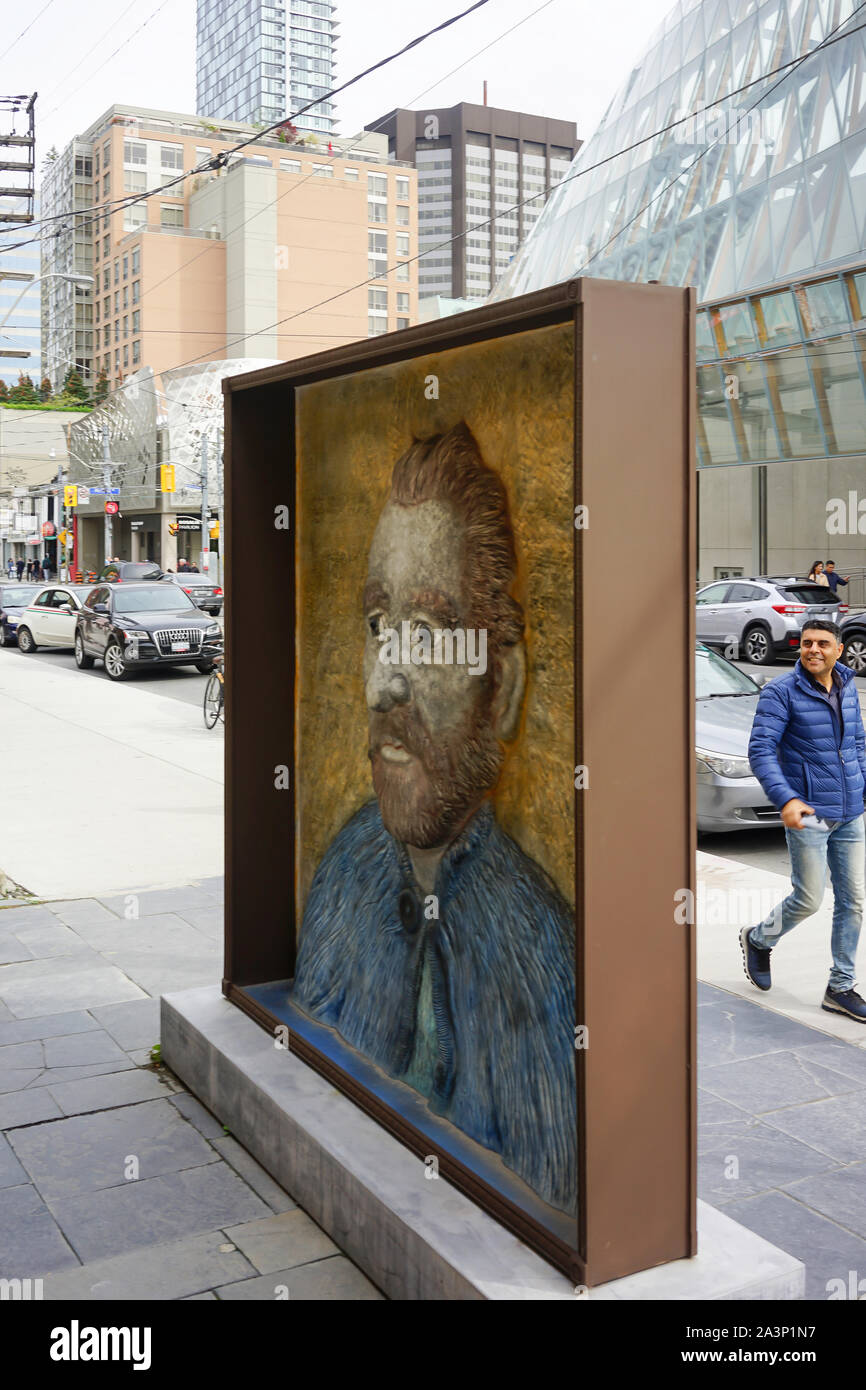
750, 189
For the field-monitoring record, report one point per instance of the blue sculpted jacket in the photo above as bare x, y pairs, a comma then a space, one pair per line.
797, 748
502, 971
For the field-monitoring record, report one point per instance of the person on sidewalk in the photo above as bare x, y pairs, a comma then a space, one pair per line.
834, 579
808, 751
816, 574
19, 566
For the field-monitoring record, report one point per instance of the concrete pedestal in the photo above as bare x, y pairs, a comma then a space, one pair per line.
416, 1237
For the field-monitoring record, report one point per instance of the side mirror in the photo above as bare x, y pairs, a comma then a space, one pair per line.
65, 608
100, 607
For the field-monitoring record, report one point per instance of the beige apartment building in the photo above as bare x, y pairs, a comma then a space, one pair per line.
266, 257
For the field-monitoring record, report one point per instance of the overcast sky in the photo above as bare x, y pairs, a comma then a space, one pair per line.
566, 60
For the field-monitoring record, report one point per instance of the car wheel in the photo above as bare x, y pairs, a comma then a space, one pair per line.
854, 655
82, 660
5, 639
25, 640
205, 666
115, 666
757, 646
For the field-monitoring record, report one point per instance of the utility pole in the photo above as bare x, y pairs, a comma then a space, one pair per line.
106, 483
205, 518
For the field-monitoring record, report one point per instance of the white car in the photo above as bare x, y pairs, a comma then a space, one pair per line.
49, 621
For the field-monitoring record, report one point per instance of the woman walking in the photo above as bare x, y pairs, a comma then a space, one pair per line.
816, 574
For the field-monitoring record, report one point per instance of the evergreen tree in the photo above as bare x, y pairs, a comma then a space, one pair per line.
24, 391
45, 390
4, 390
73, 386
101, 389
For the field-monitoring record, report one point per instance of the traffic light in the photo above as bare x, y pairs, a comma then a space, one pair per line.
70, 495
167, 477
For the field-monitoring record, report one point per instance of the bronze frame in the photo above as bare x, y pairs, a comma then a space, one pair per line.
635, 470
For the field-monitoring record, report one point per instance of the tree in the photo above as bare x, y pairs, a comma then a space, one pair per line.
101, 388
287, 132
45, 389
4, 390
24, 391
73, 386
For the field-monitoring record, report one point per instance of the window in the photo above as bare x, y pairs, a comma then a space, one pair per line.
746, 593
136, 353
377, 243
376, 326
136, 321
106, 154
106, 242
377, 185
403, 271
378, 212
402, 216
136, 288
202, 153
134, 216
351, 174
402, 303
714, 594
134, 181
106, 277
377, 299
126, 354
125, 266
136, 263
290, 166
126, 296
402, 188
126, 325
402, 323
117, 301
117, 330
106, 182
402, 243
171, 157
134, 152
170, 216
117, 272
324, 171
96, 306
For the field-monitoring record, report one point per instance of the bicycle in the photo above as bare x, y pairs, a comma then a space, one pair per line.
214, 696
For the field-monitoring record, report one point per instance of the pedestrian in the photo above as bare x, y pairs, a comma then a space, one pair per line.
182, 565
808, 751
19, 566
10, 567
46, 569
816, 574
834, 579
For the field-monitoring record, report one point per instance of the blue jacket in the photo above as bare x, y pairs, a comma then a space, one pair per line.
503, 985
797, 748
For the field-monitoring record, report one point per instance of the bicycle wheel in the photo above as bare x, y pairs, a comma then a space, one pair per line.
213, 700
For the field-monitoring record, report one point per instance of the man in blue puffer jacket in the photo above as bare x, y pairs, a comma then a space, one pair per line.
808, 751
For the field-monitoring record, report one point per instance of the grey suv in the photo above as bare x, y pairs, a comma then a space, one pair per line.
760, 619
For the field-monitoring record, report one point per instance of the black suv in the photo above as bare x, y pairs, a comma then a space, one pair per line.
127, 571
130, 625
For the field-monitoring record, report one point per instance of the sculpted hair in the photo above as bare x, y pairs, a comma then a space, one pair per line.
449, 468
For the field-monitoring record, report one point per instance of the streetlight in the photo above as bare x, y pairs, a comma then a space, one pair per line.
82, 281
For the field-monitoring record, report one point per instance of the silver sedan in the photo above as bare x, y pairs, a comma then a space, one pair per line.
730, 797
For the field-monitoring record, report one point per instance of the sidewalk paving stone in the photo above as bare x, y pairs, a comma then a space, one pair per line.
14, 1030
53, 986
88, 1153
14, 1081
827, 1251
840, 1195
54, 1076
282, 1241
30, 1107
46, 940
165, 932
23, 1054
765, 1158
155, 1210
32, 1243
261, 1182
775, 1079
197, 1114
11, 918
78, 912
11, 1172
187, 1269
835, 1127
105, 1092
335, 1278
132, 1025
79, 1049
160, 900
12, 949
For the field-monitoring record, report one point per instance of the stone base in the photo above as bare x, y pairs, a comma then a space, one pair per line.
415, 1237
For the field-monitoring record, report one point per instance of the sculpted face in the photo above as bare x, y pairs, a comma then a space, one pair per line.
432, 744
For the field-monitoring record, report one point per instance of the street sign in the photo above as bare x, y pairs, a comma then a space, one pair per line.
166, 471
112, 508
97, 492
70, 495
62, 537
115, 491
189, 523
48, 528
83, 496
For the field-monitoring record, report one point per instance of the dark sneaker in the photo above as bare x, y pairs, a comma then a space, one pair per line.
756, 961
847, 1002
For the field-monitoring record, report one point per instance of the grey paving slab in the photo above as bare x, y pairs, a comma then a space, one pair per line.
28, 1107
54, 1076
5, 1015
827, 1251
282, 1241
23, 1054
732, 1028
90, 1152
12, 949
157, 977
165, 933
80, 1049
193, 1110
32, 1242
11, 918
187, 1269
713, 1111
104, 1092
756, 1155
45, 940
209, 1297
836, 1127
54, 986
46, 1026
261, 1182
209, 921
155, 1210
217, 885
843, 1057
11, 1172
336, 1278
840, 1195
158, 900
773, 1080
17, 1080
77, 912
132, 1025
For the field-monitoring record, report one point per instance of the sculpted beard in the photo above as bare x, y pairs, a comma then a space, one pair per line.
424, 802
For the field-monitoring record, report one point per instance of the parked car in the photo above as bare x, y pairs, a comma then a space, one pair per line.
854, 642
49, 621
133, 625
201, 590
730, 797
126, 571
14, 598
761, 619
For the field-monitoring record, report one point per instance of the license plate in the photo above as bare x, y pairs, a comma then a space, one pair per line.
180, 646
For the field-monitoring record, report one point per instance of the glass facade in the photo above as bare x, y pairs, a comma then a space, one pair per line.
22, 331
261, 60
67, 310
727, 199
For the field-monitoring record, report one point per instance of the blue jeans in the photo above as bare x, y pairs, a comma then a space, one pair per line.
843, 847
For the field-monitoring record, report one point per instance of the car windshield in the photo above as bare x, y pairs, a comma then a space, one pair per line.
155, 600
16, 595
810, 593
714, 676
